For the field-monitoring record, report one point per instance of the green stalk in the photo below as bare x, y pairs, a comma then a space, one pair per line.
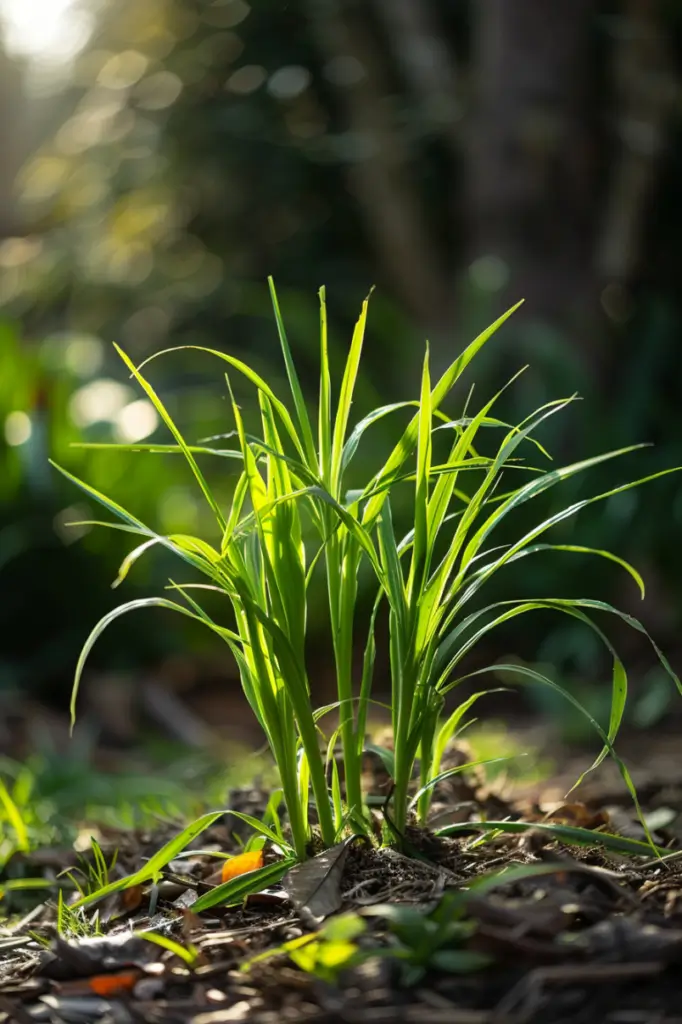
342, 586
318, 780
278, 733
402, 715
426, 748
286, 765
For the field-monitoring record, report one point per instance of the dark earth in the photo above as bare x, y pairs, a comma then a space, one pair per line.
593, 936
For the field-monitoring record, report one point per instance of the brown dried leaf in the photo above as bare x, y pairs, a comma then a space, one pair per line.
578, 814
314, 887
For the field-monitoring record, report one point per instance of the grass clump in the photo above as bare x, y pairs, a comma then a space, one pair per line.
291, 511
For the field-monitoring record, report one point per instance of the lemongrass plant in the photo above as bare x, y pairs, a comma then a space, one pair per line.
291, 510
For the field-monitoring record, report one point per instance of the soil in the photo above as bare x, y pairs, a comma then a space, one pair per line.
596, 938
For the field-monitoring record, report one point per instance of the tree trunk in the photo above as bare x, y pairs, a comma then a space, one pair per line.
531, 173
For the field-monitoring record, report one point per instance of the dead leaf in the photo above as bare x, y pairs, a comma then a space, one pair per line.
267, 898
240, 864
103, 984
314, 887
577, 814
83, 957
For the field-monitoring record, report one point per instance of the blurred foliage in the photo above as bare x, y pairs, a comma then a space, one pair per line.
195, 146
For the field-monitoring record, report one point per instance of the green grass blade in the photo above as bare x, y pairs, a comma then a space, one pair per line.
457, 368
324, 428
603, 606
188, 954
155, 864
134, 525
167, 419
409, 438
130, 559
238, 499
573, 548
393, 573
563, 833
337, 801
250, 375
491, 421
387, 756
451, 724
15, 819
368, 660
441, 776
354, 527
106, 502
19, 884
345, 399
420, 545
354, 438
115, 613
539, 677
431, 606
258, 826
491, 480
540, 484
516, 608
157, 449
234, 892
294, 383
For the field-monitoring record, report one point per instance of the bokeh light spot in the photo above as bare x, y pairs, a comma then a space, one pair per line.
136, 421
18, 428
123, 70
84, 356
68, 524
289, 82
489, 273
42, 178
99, 402
246, 79
225, 13
15, 252
158, 91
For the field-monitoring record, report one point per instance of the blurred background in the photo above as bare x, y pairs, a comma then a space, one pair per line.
161, 157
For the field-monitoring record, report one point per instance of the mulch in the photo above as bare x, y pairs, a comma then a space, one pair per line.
596, 939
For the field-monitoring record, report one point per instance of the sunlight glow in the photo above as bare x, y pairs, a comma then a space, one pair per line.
45, 30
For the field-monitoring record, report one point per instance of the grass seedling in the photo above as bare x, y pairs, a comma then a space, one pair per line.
74, 922
291, 510
93, 874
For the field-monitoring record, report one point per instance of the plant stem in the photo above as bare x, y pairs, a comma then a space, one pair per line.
318, 781
342, 569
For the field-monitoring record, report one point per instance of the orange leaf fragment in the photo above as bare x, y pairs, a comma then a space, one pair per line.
114, 984
242, 863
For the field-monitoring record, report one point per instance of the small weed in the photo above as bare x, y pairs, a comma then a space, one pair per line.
93, 874
435, 941
72, 921
323, 953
